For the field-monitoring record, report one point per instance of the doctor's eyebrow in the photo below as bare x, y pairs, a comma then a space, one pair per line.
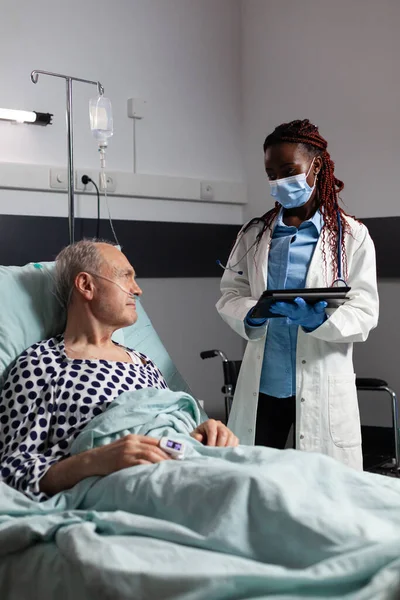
287, 164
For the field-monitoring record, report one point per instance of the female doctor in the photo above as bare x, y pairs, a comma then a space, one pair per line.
298, 368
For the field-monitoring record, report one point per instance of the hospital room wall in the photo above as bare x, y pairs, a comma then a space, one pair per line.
335, 63
182, 56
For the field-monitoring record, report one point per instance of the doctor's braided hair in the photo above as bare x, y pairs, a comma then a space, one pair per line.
328, 188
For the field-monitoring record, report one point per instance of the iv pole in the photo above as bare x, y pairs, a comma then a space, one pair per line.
70, 138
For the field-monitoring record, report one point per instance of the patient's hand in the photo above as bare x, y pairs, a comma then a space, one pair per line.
214, 433
126, 452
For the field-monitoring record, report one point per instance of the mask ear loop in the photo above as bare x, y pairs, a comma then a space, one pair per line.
309, 168
315, 174
316, 178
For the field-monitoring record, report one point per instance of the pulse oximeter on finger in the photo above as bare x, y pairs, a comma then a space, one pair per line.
173, 447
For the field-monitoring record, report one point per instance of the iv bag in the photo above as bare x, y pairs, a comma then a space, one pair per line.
101, 121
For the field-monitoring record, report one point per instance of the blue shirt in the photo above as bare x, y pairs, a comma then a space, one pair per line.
289, 258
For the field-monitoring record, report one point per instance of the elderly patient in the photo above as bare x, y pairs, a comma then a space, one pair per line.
57, 386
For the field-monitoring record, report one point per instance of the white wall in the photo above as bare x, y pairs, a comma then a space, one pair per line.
182, 56
335, 63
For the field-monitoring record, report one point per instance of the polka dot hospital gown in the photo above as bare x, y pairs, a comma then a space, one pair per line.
48, 399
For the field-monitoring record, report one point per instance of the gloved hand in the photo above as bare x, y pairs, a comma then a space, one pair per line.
251, 322
309, 316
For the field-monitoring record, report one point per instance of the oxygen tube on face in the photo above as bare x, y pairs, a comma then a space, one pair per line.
131, 295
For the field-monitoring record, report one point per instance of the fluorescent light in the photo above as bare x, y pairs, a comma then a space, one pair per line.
21, 116
25, 116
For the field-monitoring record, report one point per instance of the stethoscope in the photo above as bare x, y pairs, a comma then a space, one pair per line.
339, 281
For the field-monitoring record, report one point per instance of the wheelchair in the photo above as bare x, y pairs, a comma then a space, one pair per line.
384, 460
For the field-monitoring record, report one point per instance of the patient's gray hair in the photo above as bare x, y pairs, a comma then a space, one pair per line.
75, 258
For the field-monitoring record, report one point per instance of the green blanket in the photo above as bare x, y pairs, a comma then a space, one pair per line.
230, 523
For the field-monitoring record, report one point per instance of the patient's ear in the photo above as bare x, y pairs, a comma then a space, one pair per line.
84, 285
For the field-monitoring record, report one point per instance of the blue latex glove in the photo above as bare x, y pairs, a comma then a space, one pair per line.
251, 322
308, 316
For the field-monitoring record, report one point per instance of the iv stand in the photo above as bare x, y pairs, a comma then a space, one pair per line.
70, 139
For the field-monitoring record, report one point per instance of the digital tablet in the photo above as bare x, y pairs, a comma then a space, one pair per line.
334, 296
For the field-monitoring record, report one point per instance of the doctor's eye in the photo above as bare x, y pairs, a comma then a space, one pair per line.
289, 172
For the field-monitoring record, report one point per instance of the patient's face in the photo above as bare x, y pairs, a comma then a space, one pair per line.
111, 304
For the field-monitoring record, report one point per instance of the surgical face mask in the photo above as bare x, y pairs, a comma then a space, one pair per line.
292, 192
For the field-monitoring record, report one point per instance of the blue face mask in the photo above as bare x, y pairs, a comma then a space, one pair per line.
292, 192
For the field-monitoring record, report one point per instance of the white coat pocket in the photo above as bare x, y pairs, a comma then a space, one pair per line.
344, 415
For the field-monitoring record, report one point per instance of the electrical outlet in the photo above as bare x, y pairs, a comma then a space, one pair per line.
59, 179
111, 182
79, 186
206, 191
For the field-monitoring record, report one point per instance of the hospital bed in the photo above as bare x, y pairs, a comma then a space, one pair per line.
378, 462
103, 552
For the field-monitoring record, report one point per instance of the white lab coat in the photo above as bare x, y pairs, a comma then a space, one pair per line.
327, 415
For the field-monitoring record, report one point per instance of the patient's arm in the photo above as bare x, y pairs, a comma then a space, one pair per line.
126, 452
66, 473
35, 437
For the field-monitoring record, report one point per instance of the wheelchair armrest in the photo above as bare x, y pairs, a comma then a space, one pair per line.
212, 353
370, 383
